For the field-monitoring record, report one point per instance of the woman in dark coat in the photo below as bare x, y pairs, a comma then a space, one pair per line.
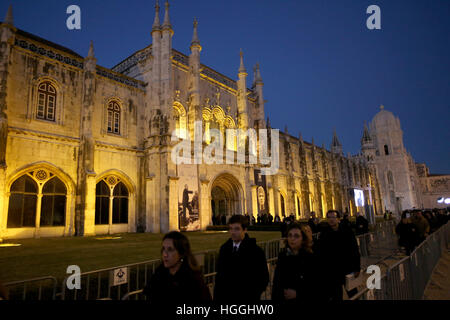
179, 278
295, 277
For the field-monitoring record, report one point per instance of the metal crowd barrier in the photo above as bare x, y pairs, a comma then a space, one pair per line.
111, 283
36, 289
407, 279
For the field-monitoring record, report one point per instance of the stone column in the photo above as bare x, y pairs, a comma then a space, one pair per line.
89, 213
152, 218
3, 203
173, 203
205, 205
38, 215
254, 201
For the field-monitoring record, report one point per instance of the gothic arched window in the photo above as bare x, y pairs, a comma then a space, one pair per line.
120, 204
283, 208
111, 201
22, 203
46, 104
26, 197
53, 210
102, 194
113, 117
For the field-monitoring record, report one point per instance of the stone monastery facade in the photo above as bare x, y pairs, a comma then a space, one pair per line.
86, 150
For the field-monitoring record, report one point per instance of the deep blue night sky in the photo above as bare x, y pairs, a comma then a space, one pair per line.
322, 68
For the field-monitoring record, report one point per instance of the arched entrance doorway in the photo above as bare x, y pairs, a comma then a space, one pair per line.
226, 198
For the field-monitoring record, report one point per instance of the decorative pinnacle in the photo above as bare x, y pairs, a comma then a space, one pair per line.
91, 50
381, 107
195, 41
335, 142
9, 16
166, 23
366, 135
258, 79
156, 24
241, 67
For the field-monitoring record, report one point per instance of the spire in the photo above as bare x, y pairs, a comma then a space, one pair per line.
241, 67
258, 79
91, 50
268, 123
90, 63
366, 135
335, 142
286, 129
312, 141
300, 136
9, 16
166, 24
195, 41
381, 107
156, 24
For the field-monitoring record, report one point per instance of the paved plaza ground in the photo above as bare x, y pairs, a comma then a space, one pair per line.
438, 287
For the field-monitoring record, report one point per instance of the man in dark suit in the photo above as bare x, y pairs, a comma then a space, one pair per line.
242, 274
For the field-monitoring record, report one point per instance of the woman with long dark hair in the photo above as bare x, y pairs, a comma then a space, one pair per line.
179, 278
295, 277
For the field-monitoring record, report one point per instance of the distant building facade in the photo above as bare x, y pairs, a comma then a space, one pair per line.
403, 183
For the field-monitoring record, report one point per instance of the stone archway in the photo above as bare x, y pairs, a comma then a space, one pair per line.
226, 197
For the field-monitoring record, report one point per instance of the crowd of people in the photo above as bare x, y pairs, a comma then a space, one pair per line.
306, 269
415, 226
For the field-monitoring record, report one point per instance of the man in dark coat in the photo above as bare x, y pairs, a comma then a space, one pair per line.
242, 274
313, 222
407, 232
362, 225
339, 255
345, 222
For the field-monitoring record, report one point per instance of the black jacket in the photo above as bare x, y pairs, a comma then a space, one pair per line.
184, 286
241, 276
298, 272
313, 225
362, 225
338, 254
408, 235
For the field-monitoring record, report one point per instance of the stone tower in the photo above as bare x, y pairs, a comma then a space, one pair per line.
394, 166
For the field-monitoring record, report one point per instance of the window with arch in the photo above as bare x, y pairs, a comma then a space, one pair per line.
53, 205
102, 194
46, 104
37, 189
386, 149
390, 178
283, 209
111, 201
299, 211
113, 117
179, 116
22, 203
